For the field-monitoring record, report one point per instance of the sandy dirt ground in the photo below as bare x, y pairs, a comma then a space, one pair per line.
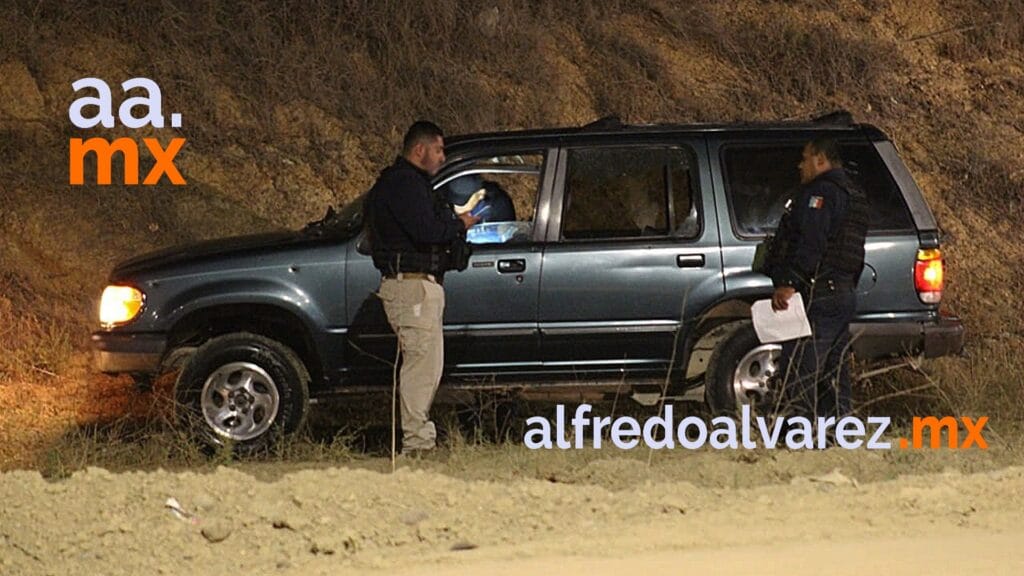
422, 519
489, 509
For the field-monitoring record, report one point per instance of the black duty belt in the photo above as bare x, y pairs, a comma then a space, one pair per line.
835, 285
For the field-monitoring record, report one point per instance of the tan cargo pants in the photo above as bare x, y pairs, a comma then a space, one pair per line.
415, 310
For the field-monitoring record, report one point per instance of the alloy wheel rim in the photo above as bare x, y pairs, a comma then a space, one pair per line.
240, 401
753, 372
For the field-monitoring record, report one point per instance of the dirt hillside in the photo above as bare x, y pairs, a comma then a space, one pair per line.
287, 110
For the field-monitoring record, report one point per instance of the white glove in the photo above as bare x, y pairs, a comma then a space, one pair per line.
471, 203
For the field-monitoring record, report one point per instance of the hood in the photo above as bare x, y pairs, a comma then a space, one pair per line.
210, 249
332, 228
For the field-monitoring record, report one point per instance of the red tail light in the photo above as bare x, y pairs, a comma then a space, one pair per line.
928, 276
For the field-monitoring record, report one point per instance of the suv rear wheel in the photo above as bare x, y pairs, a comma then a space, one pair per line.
739, 372
242, 390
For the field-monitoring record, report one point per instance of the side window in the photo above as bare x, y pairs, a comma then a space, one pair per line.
630, 192
511, 184
889, 210
760, 179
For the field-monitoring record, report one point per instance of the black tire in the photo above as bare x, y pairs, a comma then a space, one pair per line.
739, 356
257, 373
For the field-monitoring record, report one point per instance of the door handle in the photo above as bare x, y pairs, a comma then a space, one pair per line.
511, 266
690, 260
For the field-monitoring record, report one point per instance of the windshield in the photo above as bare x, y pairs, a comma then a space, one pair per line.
351, 216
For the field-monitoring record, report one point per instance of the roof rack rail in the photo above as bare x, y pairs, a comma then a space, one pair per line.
611, 122
843, 117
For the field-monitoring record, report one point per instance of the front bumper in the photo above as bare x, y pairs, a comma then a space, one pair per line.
113, 352
877, 340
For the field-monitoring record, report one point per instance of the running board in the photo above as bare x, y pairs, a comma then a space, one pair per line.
646, 392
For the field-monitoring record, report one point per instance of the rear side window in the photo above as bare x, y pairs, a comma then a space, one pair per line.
630, 192
760, 179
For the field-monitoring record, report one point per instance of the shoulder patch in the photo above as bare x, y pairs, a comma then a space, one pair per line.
816, 202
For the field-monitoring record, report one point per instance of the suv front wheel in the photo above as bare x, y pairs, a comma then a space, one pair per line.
242, 390
739, 372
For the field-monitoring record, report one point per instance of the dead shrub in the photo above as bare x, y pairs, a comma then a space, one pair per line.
787, 60
989, 29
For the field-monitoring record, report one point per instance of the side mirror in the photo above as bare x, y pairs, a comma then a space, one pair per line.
363, 244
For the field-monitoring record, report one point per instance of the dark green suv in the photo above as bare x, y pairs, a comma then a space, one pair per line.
624, 258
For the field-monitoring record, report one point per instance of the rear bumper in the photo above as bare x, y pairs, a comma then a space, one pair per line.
876, 340
114, 352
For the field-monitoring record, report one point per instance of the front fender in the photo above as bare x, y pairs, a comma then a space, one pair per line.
245, 291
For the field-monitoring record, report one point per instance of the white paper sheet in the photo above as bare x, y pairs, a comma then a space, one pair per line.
788, 324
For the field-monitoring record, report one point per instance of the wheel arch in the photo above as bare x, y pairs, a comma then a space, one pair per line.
268, 320
713, 325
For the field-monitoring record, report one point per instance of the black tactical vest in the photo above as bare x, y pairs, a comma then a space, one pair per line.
844, 254
431, 258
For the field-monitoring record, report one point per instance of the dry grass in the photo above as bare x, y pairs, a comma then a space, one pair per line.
134, 443
986, 382
996, 28
32, 344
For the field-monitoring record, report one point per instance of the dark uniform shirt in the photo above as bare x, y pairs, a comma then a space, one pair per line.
818, 211
407, 219
829, 223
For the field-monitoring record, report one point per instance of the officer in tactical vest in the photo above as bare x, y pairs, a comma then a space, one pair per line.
822, 247
415, 237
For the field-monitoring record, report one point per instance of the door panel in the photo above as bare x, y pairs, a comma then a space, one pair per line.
609, 304
491, 314
619, 305
490, 320
491, 307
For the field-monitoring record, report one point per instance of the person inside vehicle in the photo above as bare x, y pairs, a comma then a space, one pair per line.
497, 205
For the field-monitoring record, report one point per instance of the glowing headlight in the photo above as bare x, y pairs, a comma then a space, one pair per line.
119, 304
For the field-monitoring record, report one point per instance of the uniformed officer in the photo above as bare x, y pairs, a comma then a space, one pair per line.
411, 235
823, 259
